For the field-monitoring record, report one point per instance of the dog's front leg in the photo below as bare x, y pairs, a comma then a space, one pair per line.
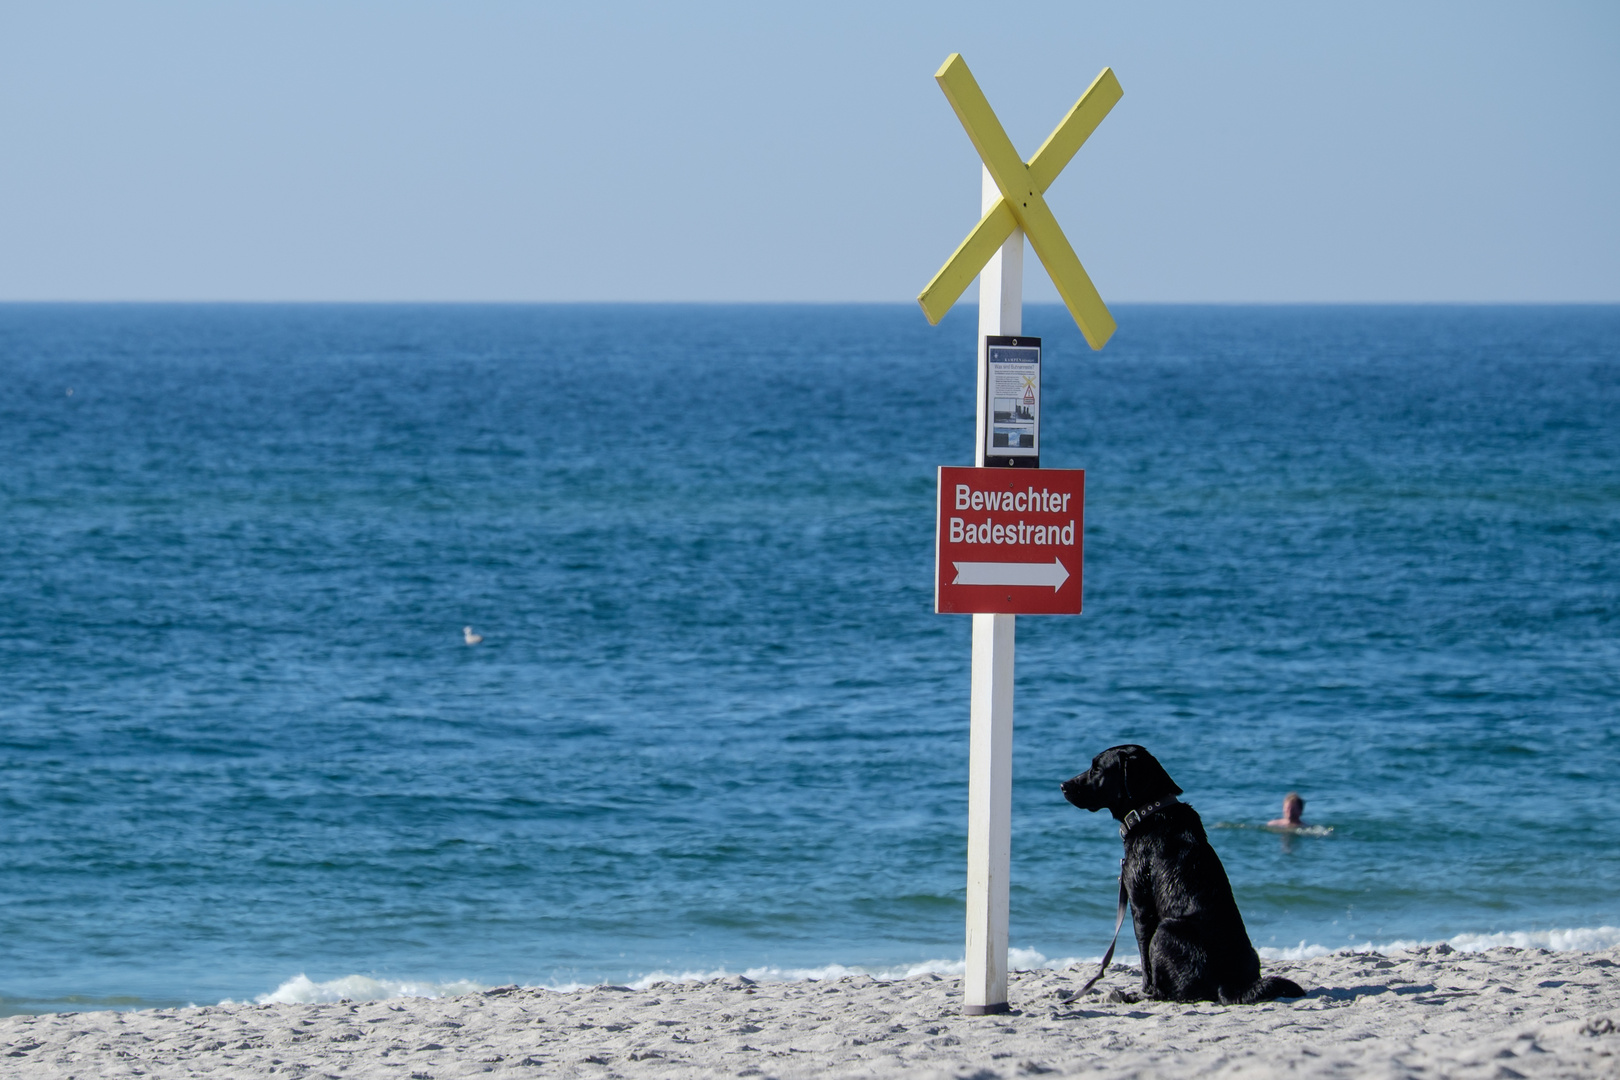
1145, 924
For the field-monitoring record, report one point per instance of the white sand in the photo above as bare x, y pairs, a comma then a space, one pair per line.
1427, 1013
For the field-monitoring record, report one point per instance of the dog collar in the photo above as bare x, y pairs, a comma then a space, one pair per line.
1134, 818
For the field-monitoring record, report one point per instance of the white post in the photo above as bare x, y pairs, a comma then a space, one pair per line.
984, 985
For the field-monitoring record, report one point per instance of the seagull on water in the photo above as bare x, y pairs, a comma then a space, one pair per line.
470, 637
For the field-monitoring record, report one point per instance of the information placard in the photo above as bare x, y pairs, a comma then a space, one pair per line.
1012, 436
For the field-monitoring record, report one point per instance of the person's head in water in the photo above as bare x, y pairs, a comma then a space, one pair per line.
1293, 809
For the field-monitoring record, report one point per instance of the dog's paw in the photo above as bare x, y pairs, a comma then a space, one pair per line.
1122, 997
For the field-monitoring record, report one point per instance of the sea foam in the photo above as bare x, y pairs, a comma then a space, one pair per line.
1017, 959
302, 990
1579, 939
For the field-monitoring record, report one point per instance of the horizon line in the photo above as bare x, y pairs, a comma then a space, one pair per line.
776, 303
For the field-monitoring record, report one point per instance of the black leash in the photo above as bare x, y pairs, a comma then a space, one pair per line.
1119, 921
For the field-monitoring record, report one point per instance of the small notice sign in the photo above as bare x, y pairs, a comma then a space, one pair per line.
1009, 543
1012, 436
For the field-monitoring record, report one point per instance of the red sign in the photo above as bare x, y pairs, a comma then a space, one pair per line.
1009, 541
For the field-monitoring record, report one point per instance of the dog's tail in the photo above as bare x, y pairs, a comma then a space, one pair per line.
1266, 988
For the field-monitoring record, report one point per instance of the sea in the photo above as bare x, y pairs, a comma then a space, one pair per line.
1369, 554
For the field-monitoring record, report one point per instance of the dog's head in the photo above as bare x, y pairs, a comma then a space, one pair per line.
1120, 779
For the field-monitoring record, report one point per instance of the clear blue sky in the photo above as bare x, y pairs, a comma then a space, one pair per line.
619, 151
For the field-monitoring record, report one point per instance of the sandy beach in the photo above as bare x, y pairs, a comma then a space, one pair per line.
1428, 1012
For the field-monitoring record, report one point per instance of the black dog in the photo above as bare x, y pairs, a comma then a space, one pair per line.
1194, 945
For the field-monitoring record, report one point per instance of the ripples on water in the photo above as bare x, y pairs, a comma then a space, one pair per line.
1364, 553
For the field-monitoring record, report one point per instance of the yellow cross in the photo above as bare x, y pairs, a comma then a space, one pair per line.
1021, 204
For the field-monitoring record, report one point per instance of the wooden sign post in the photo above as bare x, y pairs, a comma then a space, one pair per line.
1013, 207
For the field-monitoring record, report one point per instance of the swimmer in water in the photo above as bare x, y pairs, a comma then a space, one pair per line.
1293, 807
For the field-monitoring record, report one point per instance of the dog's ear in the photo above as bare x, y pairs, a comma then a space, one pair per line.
1145, 779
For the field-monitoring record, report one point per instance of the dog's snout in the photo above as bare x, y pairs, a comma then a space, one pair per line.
1078, 792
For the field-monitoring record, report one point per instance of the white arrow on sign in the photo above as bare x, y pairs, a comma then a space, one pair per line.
1053, 573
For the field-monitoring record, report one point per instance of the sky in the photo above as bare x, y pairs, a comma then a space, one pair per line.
393, 150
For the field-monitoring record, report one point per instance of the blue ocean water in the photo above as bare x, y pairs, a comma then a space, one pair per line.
1365, 553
